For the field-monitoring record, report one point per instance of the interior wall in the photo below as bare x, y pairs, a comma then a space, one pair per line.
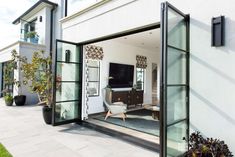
117, 52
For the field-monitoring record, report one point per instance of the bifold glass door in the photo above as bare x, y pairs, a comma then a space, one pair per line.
174, 81
68, 83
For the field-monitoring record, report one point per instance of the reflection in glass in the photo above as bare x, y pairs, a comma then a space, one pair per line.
93, 88
68, 72
93, 74
61, 52
75, 6
140, 78
176, 67
66, 111
93, 77
176, 30
175, 143
176, 104
67, 91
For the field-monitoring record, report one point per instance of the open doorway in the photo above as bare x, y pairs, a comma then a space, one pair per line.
127, 65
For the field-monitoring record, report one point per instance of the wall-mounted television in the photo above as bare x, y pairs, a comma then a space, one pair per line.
121, 75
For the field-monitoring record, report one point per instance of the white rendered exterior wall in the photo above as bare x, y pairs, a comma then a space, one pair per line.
212, 79
23, 49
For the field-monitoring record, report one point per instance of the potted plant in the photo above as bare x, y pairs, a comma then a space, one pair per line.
206, 147
38, 74
13, 65
32, 36
8, 97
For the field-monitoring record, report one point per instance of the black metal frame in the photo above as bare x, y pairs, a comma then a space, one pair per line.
163, 77
54, 123
65, 8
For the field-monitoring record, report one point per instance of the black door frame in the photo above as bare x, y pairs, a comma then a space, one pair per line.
54, 123
163, 75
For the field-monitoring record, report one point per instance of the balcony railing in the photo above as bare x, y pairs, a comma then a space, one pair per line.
29, 36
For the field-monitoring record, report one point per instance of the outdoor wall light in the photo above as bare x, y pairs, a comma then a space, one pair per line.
217, 31
40, 19
67, 56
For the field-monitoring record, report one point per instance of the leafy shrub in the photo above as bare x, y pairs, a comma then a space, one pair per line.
206, 147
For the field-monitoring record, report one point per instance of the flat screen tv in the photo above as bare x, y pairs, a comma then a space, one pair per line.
121, 75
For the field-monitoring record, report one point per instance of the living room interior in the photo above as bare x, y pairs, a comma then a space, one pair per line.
122, 82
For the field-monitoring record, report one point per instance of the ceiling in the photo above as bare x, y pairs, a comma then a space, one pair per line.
149, 40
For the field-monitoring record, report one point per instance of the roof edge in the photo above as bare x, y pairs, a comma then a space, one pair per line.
16, 21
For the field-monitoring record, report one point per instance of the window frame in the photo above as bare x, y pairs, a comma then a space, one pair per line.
143, 71
98, 81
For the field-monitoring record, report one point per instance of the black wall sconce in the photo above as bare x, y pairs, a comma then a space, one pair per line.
40, 18
67, 56
217, 31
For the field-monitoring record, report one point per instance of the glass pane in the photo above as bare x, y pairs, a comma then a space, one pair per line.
176, 30
176, 67
140, 75
63, 48
175, 144
93, 74
176, 104
67, 91
66, 111
75, 6
68, 72
93, 63
140, 85
93, 88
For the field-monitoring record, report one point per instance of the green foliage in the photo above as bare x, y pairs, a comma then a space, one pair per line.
4, 152
38, 74
31, 34
206, 147
9, 71
8, 97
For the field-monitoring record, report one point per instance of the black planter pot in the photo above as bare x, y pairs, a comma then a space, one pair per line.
47, 114
20, 100
9, 103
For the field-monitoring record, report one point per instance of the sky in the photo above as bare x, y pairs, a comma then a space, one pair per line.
9, 11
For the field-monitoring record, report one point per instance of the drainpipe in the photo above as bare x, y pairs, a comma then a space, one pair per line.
51, 31
66, 8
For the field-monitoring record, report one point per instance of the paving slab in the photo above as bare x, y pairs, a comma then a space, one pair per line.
24, 133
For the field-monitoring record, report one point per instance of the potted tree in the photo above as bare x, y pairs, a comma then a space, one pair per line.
38, 74
13, 64
206, 147
32, 36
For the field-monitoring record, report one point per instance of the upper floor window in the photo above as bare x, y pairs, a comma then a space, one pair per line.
74, 6
30, 26
28, 32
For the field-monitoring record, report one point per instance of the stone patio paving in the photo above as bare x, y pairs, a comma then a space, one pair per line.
24, 134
